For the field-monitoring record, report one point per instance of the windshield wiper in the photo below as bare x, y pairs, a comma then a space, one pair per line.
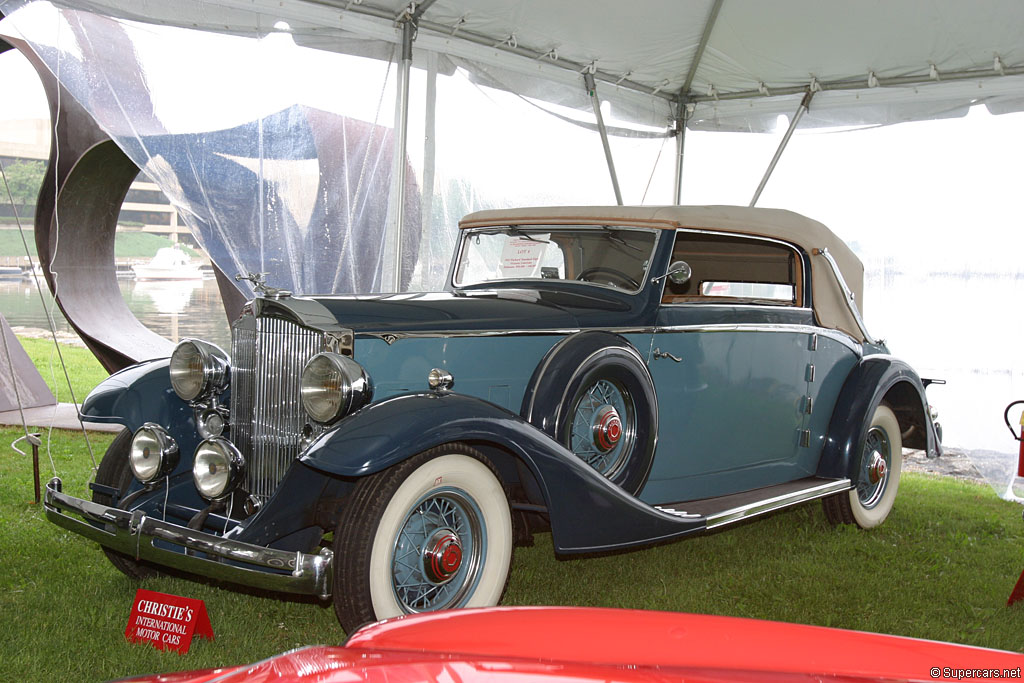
514, 230
613, 235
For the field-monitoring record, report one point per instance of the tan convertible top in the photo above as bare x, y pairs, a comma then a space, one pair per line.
830, 305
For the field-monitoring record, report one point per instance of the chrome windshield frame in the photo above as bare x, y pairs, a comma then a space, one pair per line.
467, 233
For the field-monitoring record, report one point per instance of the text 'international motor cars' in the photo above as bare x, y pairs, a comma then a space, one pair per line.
619, 375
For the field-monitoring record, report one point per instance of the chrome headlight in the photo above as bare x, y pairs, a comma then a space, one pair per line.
198, 368
333, 386
153, 453
217, 468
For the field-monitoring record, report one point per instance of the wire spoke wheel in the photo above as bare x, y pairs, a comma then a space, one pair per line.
876, 477
593, 393
432, 532
436, 559
875, 466
603, 427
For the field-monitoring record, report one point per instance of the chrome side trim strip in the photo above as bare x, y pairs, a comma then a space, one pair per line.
777, 503
133, 533
392, 337
837, 335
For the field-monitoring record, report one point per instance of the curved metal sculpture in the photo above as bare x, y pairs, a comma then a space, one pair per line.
84, 186
336, 246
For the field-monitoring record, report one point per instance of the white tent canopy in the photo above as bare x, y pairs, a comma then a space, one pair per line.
735, 61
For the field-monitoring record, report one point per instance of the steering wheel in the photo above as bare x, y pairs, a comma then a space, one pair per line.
619, 279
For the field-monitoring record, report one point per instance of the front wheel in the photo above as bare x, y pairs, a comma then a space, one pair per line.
878, 476
114, 471
431, 533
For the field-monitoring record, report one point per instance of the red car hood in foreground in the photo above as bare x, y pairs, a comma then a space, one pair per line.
581, 644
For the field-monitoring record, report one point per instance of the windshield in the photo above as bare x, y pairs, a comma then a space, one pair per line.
608, 255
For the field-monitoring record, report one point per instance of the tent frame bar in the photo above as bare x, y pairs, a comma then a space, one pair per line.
448, 31
488, 41
848, 85
681, 118
698, 56
591, 86
402, 131
800, 111
408, 20
682, 98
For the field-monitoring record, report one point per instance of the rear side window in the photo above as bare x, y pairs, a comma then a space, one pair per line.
727, 268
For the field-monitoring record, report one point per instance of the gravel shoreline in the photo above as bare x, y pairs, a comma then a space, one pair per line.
952, 463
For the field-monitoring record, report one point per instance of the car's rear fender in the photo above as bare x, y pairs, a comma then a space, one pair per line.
874, 380
587, 512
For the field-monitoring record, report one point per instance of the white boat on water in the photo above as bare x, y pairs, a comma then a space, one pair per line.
169, 263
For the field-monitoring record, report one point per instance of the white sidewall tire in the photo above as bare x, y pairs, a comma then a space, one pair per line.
478, 483
868, 518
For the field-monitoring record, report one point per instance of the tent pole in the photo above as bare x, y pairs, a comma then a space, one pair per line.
402, 129
588, 82
429, 152
804, 103
680, 145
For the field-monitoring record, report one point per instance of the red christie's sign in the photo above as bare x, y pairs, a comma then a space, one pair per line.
167, 622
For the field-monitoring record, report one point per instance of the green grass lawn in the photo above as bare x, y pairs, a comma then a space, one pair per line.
83, 368
941, 567
136, 245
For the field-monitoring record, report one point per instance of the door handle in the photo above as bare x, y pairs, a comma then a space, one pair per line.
658, 353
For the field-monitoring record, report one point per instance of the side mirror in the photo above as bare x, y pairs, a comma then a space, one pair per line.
679, 272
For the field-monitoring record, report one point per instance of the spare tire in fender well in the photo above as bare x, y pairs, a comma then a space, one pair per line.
616, 433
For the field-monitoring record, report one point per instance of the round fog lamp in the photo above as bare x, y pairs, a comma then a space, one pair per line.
333, 386
153, 453
210, 424
217, 468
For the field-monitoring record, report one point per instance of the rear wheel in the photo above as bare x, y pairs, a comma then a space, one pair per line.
114, 471
431, 533
878, 476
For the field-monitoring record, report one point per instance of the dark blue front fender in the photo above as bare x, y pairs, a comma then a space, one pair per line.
587, 512
138, 394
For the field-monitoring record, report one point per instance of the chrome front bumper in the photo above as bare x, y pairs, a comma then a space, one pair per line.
133, 533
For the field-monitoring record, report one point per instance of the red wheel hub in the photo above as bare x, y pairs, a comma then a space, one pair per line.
442, 556
607, 428
877, 469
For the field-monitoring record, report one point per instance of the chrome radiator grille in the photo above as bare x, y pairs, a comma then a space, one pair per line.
267, 356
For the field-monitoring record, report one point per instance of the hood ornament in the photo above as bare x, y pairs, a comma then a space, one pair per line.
259, 284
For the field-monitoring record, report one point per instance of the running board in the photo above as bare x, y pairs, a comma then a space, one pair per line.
739, 506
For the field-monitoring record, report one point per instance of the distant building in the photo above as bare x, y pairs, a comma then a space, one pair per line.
145, 208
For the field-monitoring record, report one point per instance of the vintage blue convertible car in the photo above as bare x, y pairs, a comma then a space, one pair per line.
620, 375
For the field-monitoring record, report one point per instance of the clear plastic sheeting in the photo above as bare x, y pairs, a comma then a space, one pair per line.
230, 129
281, 158
525, 153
